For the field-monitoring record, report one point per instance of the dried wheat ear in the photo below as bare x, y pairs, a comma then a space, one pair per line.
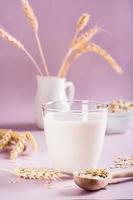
82, 44
16, 141
32, 19
39, 174
17, 44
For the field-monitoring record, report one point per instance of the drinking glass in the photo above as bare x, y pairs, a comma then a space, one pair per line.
74, 133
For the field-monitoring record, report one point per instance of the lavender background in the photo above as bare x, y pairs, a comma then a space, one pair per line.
93, 77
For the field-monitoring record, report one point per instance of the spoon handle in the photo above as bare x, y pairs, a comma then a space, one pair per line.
122, 174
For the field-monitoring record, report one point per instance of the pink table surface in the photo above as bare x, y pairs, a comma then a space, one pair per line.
115, 145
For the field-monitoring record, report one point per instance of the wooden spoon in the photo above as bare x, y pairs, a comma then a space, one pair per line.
95, 183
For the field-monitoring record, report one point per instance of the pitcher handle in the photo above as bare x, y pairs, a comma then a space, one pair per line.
71, 90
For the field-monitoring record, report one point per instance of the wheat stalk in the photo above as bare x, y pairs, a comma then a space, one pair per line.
36, 173
78, 44
13, 41
81, 23
92, 47
85, 38
7, 37
64, 69
33, 61
32, 19
82, 45
30, 15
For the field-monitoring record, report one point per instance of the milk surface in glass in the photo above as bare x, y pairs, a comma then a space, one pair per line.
75, 140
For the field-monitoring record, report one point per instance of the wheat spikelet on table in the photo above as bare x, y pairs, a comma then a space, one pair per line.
31, 140
40, 174
16, 43
5, 139
19, 147
1, 135
15, 136
32, 19
16, 141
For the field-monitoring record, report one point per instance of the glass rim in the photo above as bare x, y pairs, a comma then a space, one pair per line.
85, 102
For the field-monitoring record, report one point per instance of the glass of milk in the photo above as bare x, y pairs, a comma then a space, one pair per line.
74, 133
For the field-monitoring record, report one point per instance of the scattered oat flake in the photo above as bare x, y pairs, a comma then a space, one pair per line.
125, 162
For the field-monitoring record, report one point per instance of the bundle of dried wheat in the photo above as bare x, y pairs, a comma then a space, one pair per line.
18, 142
79, 45
82, 44
32, 19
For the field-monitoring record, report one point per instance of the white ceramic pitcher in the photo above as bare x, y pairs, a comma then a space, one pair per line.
51, 89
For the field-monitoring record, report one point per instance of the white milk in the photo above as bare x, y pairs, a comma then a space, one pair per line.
74, 140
